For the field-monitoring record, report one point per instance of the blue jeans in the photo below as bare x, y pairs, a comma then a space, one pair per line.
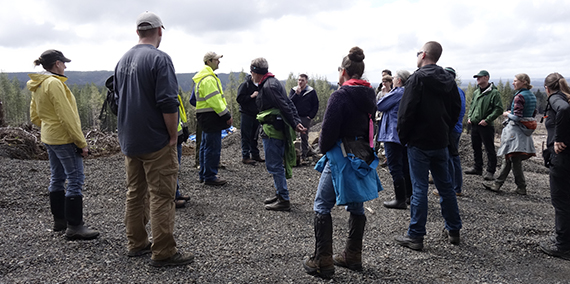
249, 134
210, 151
325, 199
65, 163
455, 165
274, 151
179, 152
421, 163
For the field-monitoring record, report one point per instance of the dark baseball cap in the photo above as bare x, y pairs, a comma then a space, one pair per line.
481, 74
50, 56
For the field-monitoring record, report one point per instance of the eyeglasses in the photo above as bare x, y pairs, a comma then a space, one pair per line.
419, 52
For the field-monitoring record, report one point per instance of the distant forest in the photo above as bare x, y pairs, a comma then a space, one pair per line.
98, 78
89, 93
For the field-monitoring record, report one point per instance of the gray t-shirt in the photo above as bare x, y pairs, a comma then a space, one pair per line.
146, 85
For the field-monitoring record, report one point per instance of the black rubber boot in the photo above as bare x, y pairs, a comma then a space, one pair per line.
400, 192
74, 216
321, 263
351, 257
57, 205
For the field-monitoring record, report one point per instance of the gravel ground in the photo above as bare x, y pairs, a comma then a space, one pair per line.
235, 240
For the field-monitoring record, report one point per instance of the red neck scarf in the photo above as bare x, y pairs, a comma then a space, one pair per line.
356, 82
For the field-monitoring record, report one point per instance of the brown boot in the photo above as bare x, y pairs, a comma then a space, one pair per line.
321, 263
351, 257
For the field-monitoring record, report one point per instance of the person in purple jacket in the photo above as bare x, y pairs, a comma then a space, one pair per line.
348, 117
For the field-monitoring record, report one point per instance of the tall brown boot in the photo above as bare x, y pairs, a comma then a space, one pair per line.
351, 257
321, 263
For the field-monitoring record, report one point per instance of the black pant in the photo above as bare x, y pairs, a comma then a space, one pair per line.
560, 195
484, 135
249, 134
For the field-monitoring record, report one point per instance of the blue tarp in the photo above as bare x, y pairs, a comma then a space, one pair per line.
225, 133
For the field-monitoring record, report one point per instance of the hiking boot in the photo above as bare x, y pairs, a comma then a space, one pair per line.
140, 252
177, 259
495, 187
551, 249
258, 159
279, 205
216, 182
409, 242
180, 203
473, 171
453, 236
395, 204
271, 199
521, 191
248, 161
488, 176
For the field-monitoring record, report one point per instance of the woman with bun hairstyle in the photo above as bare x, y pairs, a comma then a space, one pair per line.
516, 139
54, 110
557, 158
347, 141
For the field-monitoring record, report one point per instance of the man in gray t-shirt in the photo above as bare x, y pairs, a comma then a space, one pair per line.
147, 121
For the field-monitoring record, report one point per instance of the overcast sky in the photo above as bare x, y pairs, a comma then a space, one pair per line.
299, 36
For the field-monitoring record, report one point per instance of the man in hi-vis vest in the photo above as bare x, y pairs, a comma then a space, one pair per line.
213, 117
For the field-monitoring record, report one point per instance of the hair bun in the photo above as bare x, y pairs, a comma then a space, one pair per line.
356, 54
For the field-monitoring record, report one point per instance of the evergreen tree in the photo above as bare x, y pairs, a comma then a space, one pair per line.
541, 101
468, 99
291, 82
507, 96
231, 94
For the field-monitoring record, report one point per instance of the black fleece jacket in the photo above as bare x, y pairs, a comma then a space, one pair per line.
429, 108
246, 102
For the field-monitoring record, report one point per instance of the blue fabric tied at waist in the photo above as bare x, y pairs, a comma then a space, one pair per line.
353, 179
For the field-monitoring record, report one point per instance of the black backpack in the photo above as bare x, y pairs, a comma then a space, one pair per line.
111, 99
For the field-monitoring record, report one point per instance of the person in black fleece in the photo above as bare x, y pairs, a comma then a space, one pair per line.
305, 99
557, 157
348, 114
247, 93
428, 112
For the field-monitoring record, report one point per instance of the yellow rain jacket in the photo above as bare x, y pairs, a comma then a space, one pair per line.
211, 107
54, 110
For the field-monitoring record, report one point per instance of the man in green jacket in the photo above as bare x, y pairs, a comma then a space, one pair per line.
213, 117
485, 107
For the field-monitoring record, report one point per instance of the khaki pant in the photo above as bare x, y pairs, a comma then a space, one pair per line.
151, 184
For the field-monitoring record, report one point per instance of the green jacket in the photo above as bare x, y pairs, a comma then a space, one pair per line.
486, 105
266, 118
